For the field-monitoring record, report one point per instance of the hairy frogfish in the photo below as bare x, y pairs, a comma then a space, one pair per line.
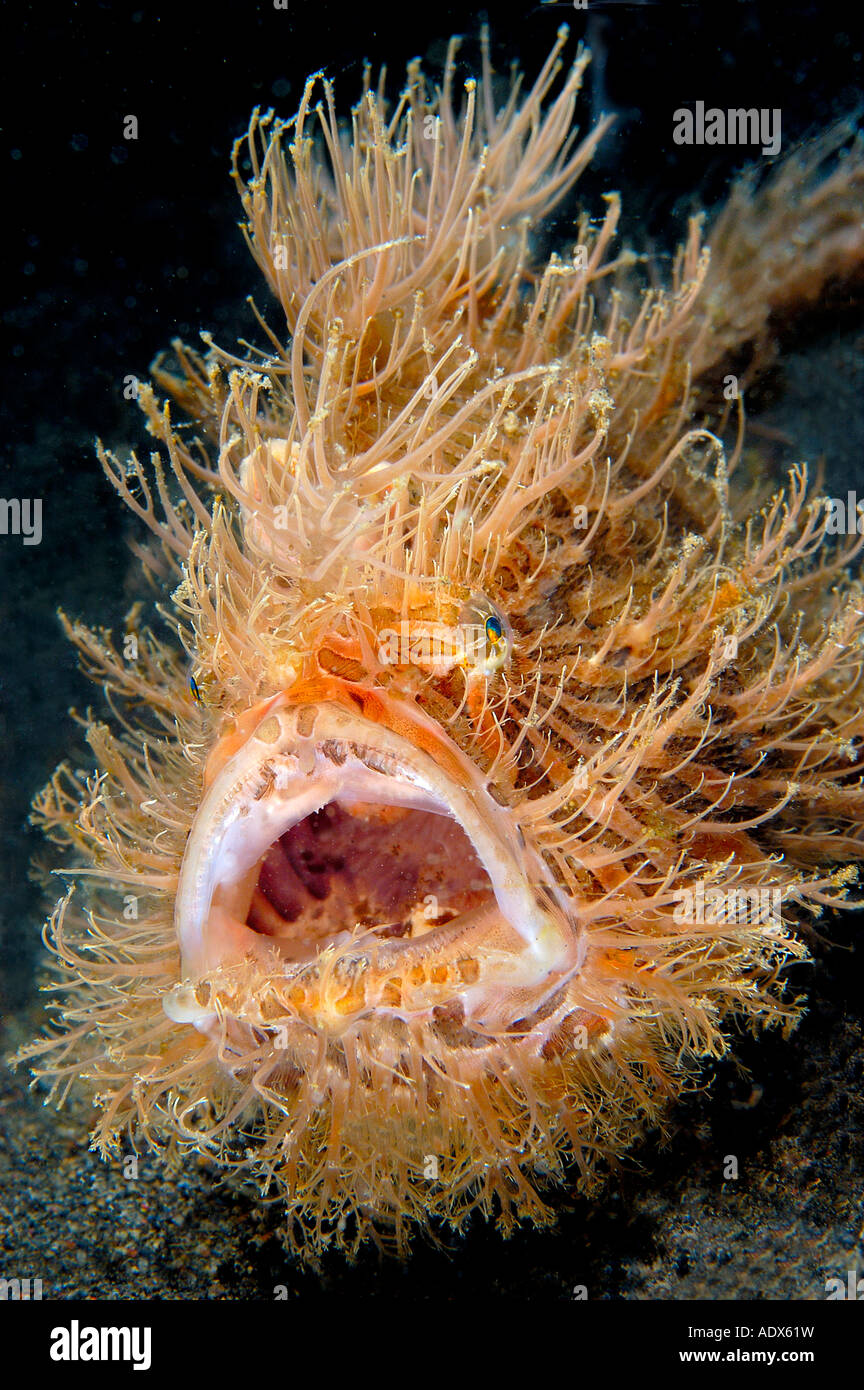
497, 738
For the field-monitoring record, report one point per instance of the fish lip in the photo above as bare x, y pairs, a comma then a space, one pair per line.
309, 753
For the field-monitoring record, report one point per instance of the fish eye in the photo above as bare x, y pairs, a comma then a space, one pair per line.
492, 636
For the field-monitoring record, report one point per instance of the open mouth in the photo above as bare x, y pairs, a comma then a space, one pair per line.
325, 829
354, 868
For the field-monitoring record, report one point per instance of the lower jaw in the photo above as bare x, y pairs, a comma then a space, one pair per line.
384, 917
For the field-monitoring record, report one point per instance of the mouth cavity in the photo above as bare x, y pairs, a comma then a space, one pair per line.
327, 829
363, 867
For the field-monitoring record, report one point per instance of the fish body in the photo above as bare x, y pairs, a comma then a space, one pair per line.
508, 684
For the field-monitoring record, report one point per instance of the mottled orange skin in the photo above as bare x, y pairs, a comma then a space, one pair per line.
375, 705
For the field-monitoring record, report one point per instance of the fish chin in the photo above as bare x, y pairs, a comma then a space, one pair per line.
362, 865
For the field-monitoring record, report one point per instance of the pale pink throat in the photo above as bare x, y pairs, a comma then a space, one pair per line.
326, 830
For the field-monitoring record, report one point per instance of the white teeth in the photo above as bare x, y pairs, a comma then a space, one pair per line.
181, 1005
306, 759
281, 776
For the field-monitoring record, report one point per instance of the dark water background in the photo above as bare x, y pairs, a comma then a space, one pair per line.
112, 248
